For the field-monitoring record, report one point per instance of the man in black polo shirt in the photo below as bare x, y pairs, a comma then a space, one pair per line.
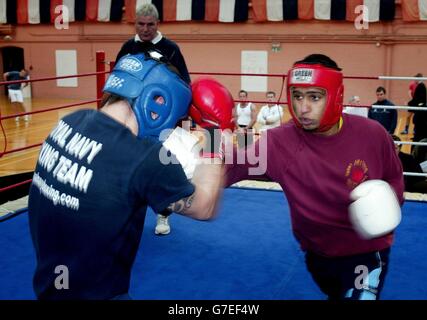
148, 37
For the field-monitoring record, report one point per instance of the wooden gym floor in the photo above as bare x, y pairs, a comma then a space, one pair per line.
24, 133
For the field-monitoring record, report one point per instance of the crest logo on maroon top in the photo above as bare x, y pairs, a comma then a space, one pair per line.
356, 173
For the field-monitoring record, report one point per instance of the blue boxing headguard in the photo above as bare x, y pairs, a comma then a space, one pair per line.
158, 96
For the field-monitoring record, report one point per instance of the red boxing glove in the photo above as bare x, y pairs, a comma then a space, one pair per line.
212, 104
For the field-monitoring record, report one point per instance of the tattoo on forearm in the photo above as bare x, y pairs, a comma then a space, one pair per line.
182, 204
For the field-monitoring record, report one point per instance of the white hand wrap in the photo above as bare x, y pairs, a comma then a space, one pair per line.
185, 148
375, 210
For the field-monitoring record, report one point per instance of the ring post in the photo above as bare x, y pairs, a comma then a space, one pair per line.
100, 78
111, 64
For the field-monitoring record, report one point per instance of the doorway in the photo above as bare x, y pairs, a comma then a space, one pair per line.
12, 59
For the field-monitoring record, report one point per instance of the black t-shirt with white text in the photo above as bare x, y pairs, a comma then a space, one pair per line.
87, 204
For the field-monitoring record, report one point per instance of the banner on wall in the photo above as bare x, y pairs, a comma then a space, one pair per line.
254, 62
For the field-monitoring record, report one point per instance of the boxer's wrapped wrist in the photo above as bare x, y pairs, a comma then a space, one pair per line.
185, 148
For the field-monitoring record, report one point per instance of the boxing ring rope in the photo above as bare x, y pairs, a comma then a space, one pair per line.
348, 105
285, 75
12, 186
412, 143
50, 109
378, 106
52, 78
100, 80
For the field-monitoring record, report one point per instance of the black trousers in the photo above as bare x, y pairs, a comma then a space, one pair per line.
357, 277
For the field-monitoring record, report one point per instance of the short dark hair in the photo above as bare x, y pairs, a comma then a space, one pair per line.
381, 89
318, 58
109, 98
420, 152
243, 91
419, 75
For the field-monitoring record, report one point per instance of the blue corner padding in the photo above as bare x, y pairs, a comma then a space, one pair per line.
12, 214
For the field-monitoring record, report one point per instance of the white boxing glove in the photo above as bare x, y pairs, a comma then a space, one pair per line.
375, 210
186, 149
